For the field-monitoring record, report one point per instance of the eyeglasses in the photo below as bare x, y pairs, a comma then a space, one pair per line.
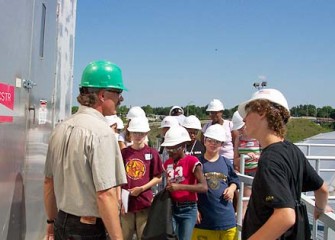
138, 133
214, 112
213, 141
174, 150
113, 90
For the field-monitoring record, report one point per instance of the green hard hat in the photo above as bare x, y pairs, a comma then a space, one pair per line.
102, 74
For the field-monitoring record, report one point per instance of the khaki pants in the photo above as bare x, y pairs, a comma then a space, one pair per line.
134, 223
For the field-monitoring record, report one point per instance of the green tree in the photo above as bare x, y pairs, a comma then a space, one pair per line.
122, 111
148, 110
325, 112
74, 109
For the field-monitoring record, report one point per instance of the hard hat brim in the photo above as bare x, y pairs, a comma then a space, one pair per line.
238, 126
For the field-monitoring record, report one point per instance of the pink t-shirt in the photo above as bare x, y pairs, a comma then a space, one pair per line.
182, 172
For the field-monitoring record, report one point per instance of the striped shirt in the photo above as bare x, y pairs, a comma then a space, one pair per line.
249, 145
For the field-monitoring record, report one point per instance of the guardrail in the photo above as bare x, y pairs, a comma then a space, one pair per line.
326, 221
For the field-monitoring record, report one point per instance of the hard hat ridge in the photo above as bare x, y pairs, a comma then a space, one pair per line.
217, 132
139, 124
176, 110
169, 121
273, 95
175, 135
215, 106
102, 74
237, 121
192, 122
135, 111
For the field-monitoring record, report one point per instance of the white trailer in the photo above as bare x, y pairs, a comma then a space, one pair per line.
36, 75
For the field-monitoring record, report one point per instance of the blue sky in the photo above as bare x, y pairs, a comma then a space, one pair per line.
180, 52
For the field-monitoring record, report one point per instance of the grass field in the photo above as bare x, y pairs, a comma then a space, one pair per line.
297, 130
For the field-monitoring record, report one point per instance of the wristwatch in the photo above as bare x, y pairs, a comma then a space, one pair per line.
50, 221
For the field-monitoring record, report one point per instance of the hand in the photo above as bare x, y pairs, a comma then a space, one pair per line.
50, 232
228, 194
136, 191
329, 209
253, 155
237, 164
122, 210
199, 218
318, 212
172, 187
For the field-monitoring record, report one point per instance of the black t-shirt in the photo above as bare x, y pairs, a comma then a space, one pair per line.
196, 149
274, 183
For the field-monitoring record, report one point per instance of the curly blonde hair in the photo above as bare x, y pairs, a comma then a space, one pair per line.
277, 116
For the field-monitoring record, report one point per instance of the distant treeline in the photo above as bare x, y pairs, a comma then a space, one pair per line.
297, 111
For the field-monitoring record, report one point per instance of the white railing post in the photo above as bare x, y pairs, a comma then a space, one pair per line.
240, 200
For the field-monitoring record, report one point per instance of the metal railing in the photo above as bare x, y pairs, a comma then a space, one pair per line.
326, 222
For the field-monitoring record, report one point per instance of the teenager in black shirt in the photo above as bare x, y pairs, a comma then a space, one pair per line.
270, 212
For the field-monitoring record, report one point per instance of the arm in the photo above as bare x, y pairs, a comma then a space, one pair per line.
108, 208
234, 138
138, 190
228, 193
321, 198
236, 142
201, 186
122, 145
50, 204
272, 229
118, 194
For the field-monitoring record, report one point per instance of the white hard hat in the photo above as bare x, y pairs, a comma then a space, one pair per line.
216, 132
113, 119
119, 123
192, 122
135, 111
272, 95
177, 109
180, 119
237, 121
175, 135
139, 124
169, 121
215, 106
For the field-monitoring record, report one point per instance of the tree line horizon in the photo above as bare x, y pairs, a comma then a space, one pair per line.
306, 110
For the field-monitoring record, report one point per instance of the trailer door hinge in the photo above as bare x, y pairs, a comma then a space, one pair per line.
28, 84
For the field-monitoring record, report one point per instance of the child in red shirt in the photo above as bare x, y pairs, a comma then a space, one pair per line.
184, 179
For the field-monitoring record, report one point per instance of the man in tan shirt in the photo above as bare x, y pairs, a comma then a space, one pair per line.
84, 163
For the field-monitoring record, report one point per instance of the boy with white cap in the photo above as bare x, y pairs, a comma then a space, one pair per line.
143, 169
275, 189
216, 217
